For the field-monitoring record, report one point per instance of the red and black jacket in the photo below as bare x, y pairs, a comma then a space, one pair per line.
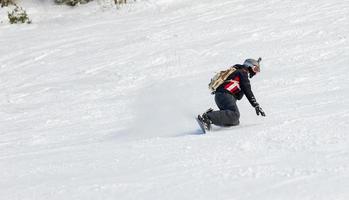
238, 84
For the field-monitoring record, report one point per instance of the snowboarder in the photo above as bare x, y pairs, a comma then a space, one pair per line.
232, 89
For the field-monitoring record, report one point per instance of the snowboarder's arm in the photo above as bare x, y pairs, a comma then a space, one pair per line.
246, 88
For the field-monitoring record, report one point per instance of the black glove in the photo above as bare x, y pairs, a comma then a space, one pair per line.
259, 110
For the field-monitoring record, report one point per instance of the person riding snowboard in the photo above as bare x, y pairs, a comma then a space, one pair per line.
232, 89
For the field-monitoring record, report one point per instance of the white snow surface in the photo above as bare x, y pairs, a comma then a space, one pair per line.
99, 103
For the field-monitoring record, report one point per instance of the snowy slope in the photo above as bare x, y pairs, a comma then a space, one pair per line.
98, 103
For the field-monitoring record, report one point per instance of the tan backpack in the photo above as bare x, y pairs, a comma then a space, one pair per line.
220, 78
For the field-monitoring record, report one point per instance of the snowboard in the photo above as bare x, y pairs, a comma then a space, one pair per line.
201, 124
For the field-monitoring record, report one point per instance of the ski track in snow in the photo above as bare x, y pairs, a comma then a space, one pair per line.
98, 103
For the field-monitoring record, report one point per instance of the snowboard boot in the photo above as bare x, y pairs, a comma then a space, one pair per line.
206, 120
208, 110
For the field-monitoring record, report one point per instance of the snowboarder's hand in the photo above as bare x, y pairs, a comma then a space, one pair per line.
259, 110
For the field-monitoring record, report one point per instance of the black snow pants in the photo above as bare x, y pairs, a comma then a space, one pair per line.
229, 114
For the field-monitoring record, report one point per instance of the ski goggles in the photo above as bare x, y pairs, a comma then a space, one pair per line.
256, 69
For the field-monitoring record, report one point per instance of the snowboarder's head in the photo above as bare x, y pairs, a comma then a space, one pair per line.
253, 66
